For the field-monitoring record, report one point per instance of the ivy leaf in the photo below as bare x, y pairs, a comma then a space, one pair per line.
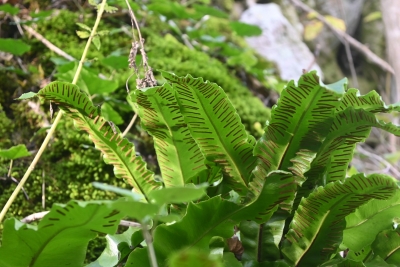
66, 229
15, 152
26, 96
14, 46
110, 114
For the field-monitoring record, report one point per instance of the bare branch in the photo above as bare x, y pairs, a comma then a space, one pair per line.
387, 164
343, 36
130, 125
46, 42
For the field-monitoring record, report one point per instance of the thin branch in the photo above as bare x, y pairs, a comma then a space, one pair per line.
387, 164
149, 241
46, 42
130, 125
38, 216
344, 36
347, 48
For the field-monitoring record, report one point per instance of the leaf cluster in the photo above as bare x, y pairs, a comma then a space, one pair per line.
287, 193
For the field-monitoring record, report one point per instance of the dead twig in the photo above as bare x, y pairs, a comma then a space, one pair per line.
388, 165
343, 36
46, 42
130, 125
39, 215
148, 80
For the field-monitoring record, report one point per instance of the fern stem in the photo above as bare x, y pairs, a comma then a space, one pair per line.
57, 119
150, 248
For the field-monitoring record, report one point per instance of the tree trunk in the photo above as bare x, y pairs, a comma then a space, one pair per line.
391, 19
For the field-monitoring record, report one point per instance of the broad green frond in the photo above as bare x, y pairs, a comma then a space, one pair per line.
316, 229
261, 241
371, 102
349, 127
178, 155
367, 221
117, 150
70, 97
202, 221
66, 229
387, 246
216, 127
300, 121
275, 191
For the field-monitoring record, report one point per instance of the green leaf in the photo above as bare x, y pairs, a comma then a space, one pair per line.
202, 10
387, 246
103, 33
93, 2
83, 34
64, 231
96, 41
110, 114
276, 190
14, 46
362, 255
244, 29
9, 9
177, 195
117, 150
317, 227
84, 26
202, 221
193, 258
379, 262
89, 80
118, 247
371, 102
125, 192
116, 62
178, 155
26, 96
216, 127
230, 260
261, 241
367, 221
110, 9
300, 121
15, 152
349, 127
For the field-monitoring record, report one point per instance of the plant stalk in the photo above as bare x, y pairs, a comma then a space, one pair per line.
57, 119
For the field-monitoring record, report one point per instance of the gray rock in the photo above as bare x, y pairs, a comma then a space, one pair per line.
279, 42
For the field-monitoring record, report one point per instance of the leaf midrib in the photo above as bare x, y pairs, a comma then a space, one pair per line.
92, 125
300, 122
174, 143
232, 161
45, 244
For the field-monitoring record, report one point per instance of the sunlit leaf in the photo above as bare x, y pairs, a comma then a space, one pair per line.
14, 46
15, 152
